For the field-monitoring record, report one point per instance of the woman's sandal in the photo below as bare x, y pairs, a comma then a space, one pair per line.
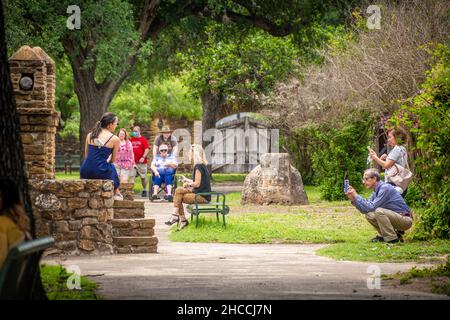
172, 221
182, 224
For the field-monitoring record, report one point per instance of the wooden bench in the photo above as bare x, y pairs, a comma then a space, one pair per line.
216, 206
20, 267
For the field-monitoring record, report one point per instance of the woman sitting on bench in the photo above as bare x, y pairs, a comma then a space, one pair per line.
14, 222
200, 183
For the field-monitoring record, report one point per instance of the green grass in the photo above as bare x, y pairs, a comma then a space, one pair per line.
54, 279
381, 252
68, 176
228, 177
301, 227
335, 223
439, 277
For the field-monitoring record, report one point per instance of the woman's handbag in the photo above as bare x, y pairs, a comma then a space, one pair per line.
399, 175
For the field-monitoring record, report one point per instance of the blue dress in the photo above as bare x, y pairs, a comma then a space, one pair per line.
95, 166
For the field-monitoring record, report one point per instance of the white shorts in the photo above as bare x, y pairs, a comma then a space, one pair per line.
141, 169
123, 172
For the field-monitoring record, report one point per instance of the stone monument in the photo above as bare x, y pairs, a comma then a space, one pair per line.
274, 181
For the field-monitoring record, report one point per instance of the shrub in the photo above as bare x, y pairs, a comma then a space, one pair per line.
427, 116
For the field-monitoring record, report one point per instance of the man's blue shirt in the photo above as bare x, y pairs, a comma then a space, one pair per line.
384, 196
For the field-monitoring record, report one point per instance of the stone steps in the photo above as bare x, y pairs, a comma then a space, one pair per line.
131, 232
135, 244
133, 227
127, 209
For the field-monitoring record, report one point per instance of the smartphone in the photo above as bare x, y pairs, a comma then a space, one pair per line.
346, 183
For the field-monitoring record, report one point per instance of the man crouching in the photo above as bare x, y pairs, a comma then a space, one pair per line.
386, 210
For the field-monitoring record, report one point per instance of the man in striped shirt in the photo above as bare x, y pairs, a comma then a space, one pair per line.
386, 210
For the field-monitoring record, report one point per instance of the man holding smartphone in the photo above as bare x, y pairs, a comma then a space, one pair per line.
386, 210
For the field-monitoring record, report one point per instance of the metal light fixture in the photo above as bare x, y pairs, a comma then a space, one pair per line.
26, 83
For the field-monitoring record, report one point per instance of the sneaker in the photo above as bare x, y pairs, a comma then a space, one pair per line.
170, 198
165, 197
154, 197
377, 239
400, 234
393, 241
182, 224
144, 194
118, 196
173, 219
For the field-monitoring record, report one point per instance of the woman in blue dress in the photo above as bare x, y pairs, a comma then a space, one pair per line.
101, 149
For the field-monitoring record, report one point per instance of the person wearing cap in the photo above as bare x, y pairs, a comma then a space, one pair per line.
167, 138
163, 167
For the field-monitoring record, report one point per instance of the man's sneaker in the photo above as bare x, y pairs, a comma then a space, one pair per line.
144, 194
182, 224
400, 234
154, 197
377, 239
165, 197
170, 198
393, 241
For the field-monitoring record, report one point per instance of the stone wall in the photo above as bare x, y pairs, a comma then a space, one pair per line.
70, 145
77, 213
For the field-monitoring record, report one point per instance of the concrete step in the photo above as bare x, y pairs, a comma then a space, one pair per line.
135, 244
133, 227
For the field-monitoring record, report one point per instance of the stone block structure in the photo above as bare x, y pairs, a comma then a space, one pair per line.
274, 181
77, 213
33, 80
80, 214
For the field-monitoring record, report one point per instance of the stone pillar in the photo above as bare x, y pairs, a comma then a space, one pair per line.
33, 80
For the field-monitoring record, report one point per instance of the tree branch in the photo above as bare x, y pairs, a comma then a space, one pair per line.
264, 23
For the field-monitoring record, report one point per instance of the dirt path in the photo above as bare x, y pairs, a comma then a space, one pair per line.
234, 271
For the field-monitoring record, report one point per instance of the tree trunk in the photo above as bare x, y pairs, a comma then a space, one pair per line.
212, 105
93, 103
94, 98
12, 161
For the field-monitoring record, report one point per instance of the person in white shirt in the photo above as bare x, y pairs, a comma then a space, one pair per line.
397, 155
163, 166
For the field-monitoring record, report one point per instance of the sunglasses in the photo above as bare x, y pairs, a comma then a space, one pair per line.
163, 150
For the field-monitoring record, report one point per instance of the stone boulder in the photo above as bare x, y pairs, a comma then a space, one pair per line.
274, 181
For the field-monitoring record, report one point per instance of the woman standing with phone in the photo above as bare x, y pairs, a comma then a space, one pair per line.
397, 155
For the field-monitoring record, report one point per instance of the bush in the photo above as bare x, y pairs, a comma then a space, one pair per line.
326, 153
342, 152
415, 197
427, 116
